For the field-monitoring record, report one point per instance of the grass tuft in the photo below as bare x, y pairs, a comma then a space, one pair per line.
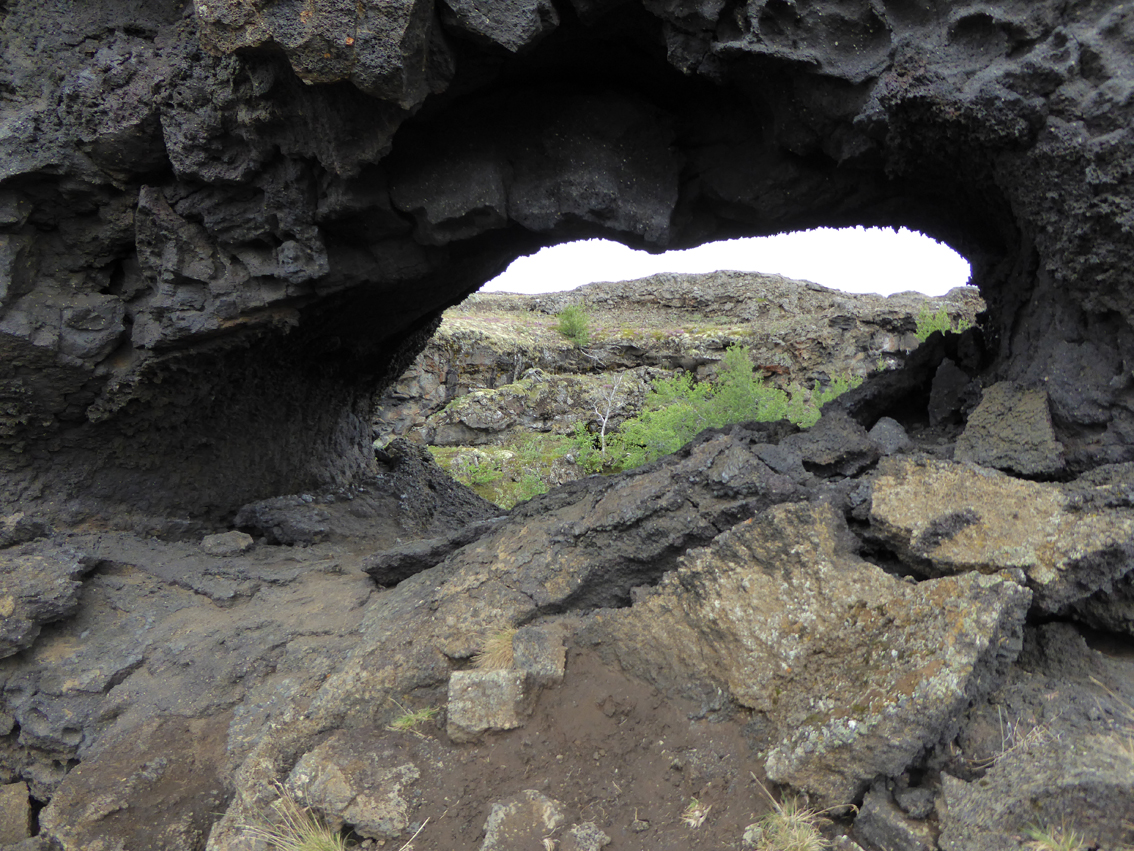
410, 721
496, 654
695, 814
292, 827
1059, 838
790, 826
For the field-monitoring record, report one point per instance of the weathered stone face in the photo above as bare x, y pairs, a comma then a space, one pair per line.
828, 650
222, 228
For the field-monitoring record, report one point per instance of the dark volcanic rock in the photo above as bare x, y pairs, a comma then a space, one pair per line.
414, 489
224, 227
1011, 430
39, 583
392, 566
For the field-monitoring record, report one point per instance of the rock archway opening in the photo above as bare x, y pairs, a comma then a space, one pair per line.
223, 230
858, 260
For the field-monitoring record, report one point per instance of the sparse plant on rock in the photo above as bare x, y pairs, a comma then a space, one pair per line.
292, 827
574, 324
496, 653
677, 409
929, 321
1059, 838
790, 826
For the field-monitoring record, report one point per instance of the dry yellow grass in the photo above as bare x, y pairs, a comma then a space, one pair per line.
496, 652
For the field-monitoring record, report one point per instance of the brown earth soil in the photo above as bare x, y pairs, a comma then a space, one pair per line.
612, 750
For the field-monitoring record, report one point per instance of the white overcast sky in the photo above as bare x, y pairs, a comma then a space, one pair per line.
874, 260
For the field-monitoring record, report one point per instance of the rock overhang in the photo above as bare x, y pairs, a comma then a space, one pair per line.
225, 216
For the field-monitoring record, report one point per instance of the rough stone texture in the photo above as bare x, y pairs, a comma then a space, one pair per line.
226, 544
835, 445
780, 611
584, 837
1051, 747
537, 402
538, 651
882, 825
889, 436
15, 813
1011, 430
165, 632
521, 822
948, 393
223, 228
513, 24
358, 778
480, 701
167, 790
392, 51
947, 517
412, 488
39, 583
585, 545
18, 528
915, 801
392, 566
1111, 607
1050, 785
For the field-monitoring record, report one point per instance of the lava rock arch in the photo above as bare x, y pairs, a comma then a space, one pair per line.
225, 226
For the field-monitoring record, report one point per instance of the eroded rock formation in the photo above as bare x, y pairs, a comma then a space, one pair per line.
226, 225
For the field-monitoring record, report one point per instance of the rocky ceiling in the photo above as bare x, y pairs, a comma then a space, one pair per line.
224, 225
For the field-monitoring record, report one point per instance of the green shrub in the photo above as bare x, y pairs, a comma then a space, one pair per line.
574, 324
678, 409
929, 321
508, 474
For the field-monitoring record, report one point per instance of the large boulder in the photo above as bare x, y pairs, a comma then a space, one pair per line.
946, 517
852, 673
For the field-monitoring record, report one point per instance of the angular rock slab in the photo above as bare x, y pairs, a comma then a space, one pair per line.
15, 813
480, 701
881, 823
357, 778
156, 786
1011, 430
1082, 787
521, 822
853, 673
944, 517
39, 583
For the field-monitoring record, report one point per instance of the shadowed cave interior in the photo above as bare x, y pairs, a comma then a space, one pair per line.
262, 256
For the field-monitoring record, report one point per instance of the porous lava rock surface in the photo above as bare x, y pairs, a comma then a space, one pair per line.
225, 225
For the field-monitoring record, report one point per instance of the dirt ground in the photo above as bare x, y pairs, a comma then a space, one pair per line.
613, 751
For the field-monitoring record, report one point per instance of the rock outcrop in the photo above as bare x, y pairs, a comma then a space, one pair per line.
473, 384
226, 226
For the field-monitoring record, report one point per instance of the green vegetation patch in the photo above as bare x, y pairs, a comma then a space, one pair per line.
575, 324
678, 409
506, 475
929, 321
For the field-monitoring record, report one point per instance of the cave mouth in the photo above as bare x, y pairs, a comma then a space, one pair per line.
210, 265
856, 260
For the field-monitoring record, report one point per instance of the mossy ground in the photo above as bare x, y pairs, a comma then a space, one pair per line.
512, 472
